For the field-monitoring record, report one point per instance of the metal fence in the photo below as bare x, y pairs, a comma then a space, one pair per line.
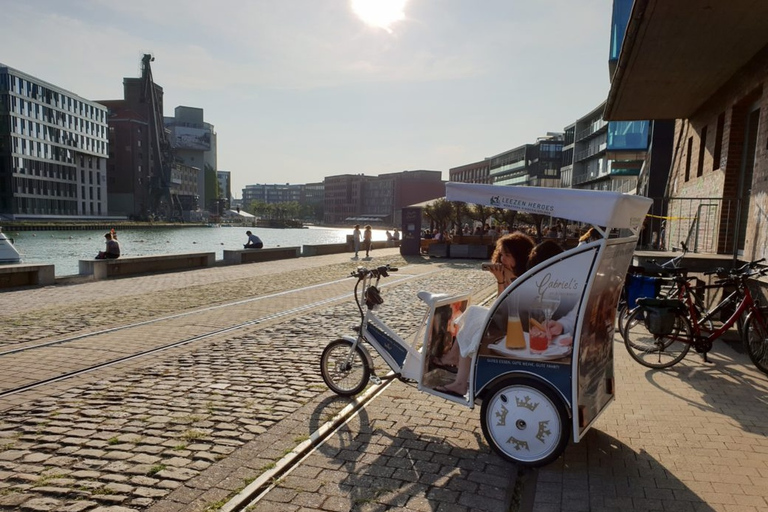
705, 224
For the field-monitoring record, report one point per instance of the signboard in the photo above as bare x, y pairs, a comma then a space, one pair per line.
191, 138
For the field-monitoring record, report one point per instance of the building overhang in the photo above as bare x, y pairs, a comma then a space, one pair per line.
677, 54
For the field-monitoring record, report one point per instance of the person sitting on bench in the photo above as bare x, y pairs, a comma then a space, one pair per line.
254, 242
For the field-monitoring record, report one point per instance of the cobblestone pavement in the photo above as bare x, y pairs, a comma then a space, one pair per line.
187, 429
130, 435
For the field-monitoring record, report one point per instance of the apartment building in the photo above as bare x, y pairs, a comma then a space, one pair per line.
53, 150
476, 172
379, 199
713, 85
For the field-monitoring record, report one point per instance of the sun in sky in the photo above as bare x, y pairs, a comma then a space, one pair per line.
379, 13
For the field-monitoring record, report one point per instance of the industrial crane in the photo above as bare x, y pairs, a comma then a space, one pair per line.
164, 203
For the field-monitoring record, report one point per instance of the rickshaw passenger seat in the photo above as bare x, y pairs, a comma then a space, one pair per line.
431, 298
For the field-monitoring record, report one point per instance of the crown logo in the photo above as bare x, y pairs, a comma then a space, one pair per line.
502, 416
495, 200
543, 431
518, 444
527, 403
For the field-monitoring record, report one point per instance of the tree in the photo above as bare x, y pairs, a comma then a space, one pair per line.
505, 216
441, 212
481, 214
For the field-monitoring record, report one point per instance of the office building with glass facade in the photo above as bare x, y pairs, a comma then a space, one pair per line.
53, 150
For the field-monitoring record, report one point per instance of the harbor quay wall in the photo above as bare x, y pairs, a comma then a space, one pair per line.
90, 270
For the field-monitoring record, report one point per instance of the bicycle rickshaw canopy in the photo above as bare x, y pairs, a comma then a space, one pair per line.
596, 207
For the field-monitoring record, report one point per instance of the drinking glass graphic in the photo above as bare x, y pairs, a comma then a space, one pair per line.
537, 334
549, 306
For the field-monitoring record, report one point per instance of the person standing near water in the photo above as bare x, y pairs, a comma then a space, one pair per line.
356, 239
367, 237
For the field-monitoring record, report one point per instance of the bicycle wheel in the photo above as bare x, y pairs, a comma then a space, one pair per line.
652, 350
621, 316
345, 371
525, 422
755, 337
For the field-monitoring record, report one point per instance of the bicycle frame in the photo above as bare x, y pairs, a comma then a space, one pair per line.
403, 358
387, 343
746, 303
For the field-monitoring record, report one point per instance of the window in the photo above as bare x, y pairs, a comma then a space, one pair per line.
718, 141
688, 159
702, 152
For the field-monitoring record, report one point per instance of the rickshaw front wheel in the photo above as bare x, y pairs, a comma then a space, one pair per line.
345, 370
525, 421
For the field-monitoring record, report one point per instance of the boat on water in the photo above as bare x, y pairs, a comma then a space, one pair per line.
8, 253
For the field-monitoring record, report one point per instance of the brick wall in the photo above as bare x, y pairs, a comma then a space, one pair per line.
734, 102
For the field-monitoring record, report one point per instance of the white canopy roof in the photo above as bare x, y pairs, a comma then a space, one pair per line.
600, 208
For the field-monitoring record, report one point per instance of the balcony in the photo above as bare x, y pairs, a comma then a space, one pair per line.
590, 152
591, 129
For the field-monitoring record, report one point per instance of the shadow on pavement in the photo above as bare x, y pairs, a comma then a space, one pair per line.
724, 387
602, 473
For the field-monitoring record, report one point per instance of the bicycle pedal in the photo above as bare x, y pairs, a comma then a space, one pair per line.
375, 380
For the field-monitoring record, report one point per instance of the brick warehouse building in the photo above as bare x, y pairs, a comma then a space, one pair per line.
704, 64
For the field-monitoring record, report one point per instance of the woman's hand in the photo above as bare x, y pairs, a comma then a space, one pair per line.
503, 275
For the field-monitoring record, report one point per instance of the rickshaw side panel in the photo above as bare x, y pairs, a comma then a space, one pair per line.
564, 279
594, 372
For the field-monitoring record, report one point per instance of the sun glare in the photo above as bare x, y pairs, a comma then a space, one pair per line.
379, 13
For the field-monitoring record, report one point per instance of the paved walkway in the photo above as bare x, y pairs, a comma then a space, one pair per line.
194, 425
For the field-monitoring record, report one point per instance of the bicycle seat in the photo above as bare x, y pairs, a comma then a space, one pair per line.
431, 298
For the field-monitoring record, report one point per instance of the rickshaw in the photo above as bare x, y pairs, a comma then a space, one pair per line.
541, 357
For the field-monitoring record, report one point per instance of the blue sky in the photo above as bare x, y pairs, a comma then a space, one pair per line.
302, 89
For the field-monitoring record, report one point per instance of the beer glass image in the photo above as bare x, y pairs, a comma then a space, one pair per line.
537, 333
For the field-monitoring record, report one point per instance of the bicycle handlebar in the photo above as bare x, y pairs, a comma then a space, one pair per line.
744, 271
380, 271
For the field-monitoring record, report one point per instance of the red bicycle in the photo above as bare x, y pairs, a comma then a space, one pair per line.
660, 332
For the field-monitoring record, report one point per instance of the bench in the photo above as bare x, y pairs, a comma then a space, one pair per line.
237, 256
322, 249
23, 274
425, 243
133, 265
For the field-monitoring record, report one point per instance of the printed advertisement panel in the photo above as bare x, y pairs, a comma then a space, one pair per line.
533, 325
595, 377
441, 353
191, 138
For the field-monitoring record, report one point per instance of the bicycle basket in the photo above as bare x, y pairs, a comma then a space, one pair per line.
373, 297
659, 315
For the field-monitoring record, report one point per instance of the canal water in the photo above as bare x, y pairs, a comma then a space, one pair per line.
64, 248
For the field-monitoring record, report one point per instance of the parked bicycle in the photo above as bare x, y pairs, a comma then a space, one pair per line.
653, 279
660, 332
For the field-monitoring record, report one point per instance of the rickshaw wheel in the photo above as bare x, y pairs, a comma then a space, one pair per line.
344, 371
525, 421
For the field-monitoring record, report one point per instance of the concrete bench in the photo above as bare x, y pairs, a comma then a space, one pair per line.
134, 265
237, 256
322, 249
23, 274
